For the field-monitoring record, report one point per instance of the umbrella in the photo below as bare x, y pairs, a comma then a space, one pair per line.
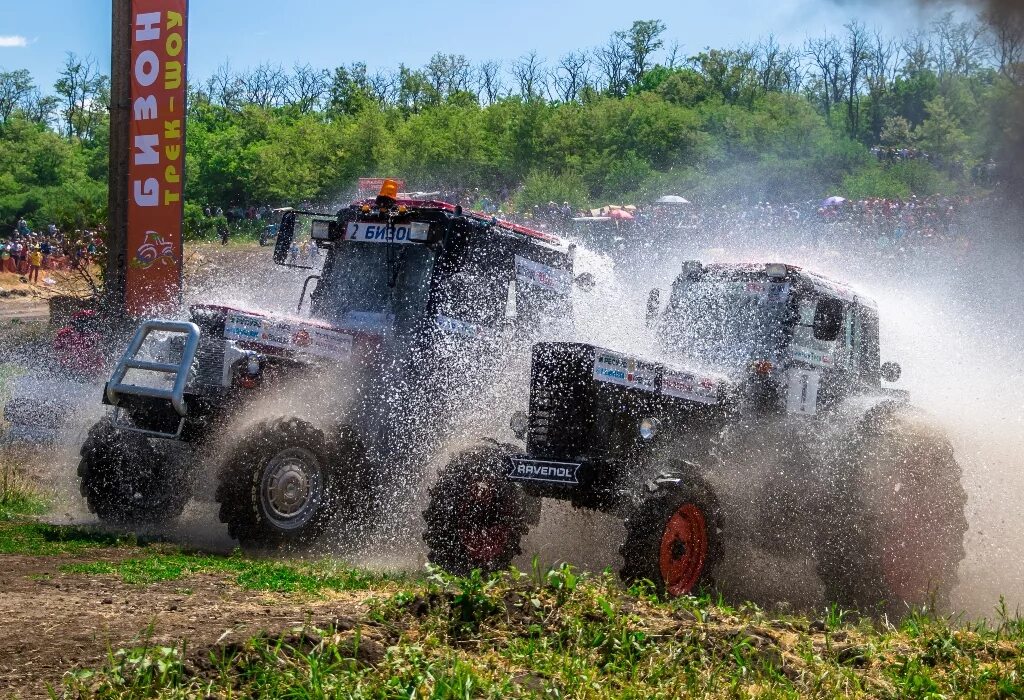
620, 214
833, 201
671, 199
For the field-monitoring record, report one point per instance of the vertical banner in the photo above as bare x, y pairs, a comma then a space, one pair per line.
156, 161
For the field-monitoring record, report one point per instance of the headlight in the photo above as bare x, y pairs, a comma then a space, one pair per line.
519, 423
649, 427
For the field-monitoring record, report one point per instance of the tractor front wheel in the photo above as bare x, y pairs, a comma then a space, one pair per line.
672, 537
476, 517
126, 481
897, 539
278, 488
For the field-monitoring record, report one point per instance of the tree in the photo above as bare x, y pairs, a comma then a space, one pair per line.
448, 73
16, 88
613, 60
940, 134
83, 92
641, 40
349, 91
896, 132
827, 57
856, 57
308, 87
1006, 37
489, 84
528, 70
571, 76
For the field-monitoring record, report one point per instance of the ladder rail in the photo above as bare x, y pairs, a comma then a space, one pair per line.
176, 394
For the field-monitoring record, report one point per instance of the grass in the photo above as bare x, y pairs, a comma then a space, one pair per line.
257, 575
562, 634
18, 497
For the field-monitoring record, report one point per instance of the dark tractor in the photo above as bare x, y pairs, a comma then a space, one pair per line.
799, 449
415, 303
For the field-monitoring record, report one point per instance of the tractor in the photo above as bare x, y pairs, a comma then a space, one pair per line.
416, 302
763, 420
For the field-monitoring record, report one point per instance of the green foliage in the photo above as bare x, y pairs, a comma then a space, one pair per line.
561, 634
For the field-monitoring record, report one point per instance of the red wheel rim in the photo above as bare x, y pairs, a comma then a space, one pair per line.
486, 542
913, 557
684, 549
484, 545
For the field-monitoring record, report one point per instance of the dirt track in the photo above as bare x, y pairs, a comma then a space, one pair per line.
54, 622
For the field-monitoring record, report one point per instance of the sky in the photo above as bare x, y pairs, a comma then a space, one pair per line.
37, 34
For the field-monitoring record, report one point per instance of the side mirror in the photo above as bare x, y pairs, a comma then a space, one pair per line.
285, 236
585, 281
828, 319
653, 305
891, 371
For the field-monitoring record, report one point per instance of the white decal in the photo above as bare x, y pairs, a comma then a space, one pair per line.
802, 391
463, 328
613, 368
288, 335
811, 356
384, 233
543, 276
533, 470
684, 385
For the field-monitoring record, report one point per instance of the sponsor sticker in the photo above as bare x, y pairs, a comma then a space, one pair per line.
811, 356
535, 470
769, 291
288, 335
802, 391
613, 368
459, 327
416, 232
543, 276
689, 386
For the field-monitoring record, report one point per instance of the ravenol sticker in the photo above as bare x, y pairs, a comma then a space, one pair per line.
416, 232
613, 368
692, 387
288, 335
543, 276
812, 356
534, 470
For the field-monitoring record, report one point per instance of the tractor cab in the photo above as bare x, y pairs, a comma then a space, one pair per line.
799, 342
413, 269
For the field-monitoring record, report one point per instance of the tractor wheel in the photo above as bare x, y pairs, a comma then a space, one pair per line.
672, 537
126, 481
899, 536
279, 487
476, 517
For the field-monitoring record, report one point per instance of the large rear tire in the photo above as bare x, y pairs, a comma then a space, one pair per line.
126, 481
279, 487
476, 516
898, 538
672, 537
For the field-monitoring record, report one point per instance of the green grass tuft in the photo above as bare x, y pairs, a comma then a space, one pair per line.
566, 634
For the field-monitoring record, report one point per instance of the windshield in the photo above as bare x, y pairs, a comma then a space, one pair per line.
373, 285
725, 324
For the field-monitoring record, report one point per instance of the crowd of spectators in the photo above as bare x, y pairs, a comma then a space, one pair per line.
28, 253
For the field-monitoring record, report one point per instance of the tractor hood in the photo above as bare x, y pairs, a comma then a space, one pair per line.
278, 334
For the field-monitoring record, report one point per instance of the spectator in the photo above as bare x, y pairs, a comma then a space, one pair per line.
35, 264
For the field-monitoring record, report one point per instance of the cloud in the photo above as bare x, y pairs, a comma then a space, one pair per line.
13, 41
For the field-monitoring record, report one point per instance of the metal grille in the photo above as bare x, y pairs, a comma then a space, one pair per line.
208, 368
561, 398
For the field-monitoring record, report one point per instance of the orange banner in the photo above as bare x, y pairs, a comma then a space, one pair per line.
157, 157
